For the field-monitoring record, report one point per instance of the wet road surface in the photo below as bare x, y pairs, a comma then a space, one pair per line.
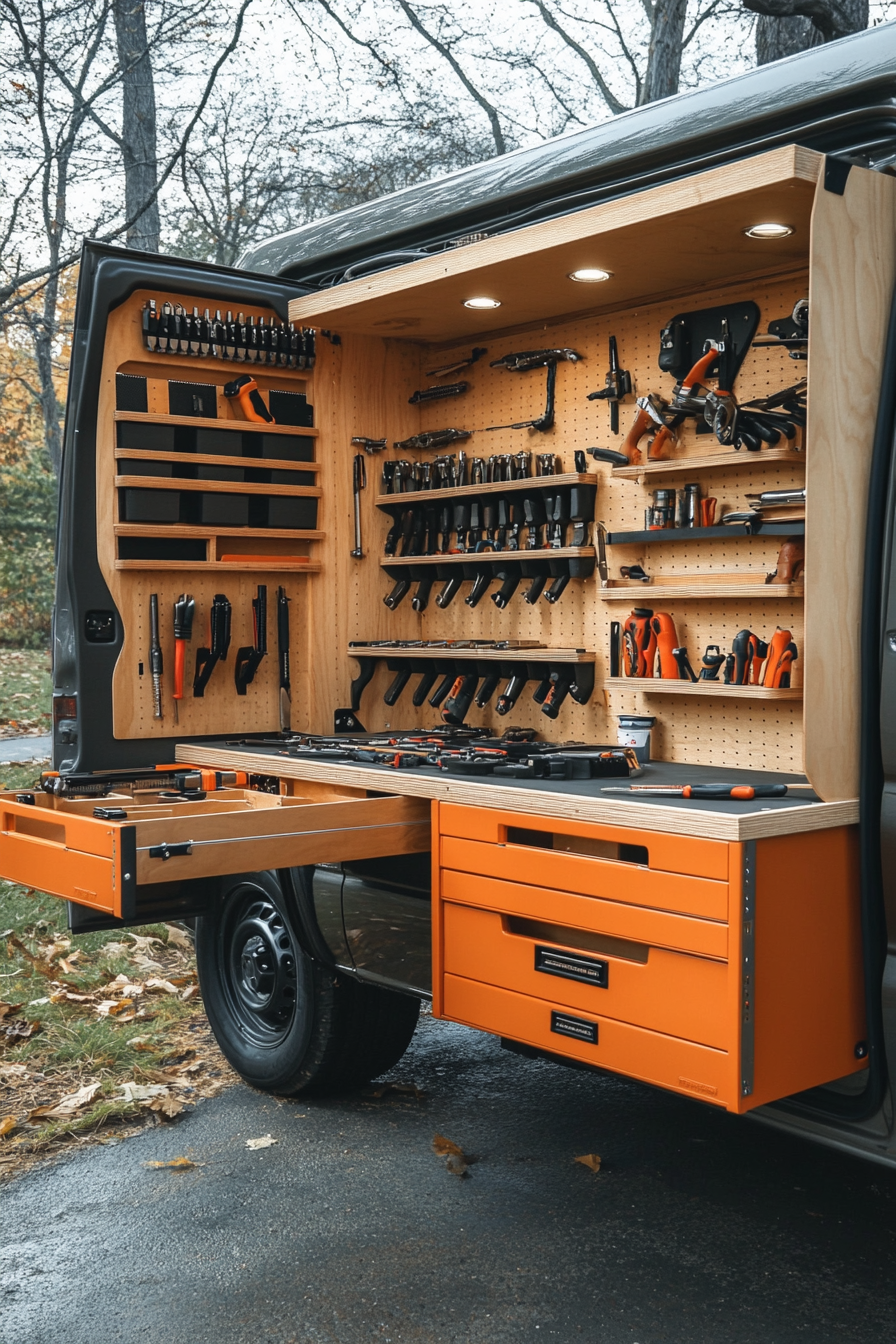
699, 1229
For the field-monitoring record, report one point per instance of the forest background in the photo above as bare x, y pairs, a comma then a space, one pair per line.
196, 127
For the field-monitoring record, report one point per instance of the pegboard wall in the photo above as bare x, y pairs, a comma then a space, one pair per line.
371, 379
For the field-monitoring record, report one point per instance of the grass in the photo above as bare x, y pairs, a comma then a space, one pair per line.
25, 692
154, 1039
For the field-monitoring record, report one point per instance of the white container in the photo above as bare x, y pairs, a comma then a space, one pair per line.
634, 731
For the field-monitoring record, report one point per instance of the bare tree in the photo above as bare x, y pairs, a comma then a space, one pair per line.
138, 124
788, 26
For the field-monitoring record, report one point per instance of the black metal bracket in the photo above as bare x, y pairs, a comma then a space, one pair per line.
167, 851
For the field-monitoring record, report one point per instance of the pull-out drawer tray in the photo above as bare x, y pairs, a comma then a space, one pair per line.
651, 987
58, 845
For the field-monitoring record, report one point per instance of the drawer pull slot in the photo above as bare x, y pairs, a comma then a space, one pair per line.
564, 1024
168, 851
568, 966
578, 844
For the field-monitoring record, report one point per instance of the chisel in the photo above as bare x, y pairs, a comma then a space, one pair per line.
283, 660
708, 790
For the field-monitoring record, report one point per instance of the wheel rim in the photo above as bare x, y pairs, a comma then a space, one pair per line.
260, 955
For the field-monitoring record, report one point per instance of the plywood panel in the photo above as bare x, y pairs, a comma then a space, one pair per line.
853, 269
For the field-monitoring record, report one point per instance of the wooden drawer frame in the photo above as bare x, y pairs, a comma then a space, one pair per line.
102, 864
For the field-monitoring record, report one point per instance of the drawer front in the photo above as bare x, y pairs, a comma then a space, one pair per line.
682, 1066
55, 844
685, 854
670, 992
589, 875
654, 927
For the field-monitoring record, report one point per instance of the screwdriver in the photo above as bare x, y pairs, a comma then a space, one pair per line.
741, 791
184, 609
155, 655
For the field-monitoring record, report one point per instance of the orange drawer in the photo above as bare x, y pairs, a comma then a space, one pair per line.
589, 875
696, 1070
654, 927
685, 854
670, 992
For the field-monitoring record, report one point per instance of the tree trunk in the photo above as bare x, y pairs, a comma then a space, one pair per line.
51, 409
788, 26
138, 124
664, 54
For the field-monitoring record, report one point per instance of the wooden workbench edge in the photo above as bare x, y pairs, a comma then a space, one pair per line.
563, 806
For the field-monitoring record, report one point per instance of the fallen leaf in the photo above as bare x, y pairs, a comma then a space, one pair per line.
66, 996
167, 1105
143, 944
178, 938
19, 1030
176, 1164
590, 1160
7, 1125
191, 992
7, 1009
180, 980
456, 1160
158, 986
13, 1073
141, 1091
143, 1043
443, 1147
264, 1142
67, 964
399, 1089
36, 1003
114, 950
122, 1009
15, 944
146, 963
68, 1106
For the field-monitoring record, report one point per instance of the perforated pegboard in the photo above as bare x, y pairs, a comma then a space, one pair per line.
376, 387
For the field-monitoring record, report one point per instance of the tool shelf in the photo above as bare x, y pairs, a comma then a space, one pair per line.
216, 487
733, 532
218, 459
214, 422
687, 466
718, 589
527, 485
489, 557
531, 654
274, 565
663, 686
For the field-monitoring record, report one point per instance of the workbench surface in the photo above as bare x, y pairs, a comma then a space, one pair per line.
582, 800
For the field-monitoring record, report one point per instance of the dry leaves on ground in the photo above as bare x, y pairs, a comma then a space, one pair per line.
264, 1142
68, 1106
456, 1160
589, 1160
175, 1164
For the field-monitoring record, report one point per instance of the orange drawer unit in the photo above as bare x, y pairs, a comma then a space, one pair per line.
725, 971
145, 840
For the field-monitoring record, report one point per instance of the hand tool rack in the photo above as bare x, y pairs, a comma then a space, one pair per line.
138, 558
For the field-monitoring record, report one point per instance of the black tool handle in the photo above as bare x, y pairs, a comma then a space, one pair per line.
420, 600
615, 631
557, 588
533, 592
442, 690
487, 689
400, 680
511, 581
283, 637
450, 590
400, 591
457, 706
260, 615
479, 589
423, 687
511, 693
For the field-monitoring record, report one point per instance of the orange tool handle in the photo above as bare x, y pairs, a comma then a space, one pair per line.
244, 391
640, 426
180, 649
707, 512
698, 372
779, 642
663, 628
659, 446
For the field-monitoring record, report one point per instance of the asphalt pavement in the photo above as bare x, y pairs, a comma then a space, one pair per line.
14, 750
700, 1228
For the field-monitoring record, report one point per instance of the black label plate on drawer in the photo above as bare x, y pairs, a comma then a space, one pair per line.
571, 966
579, 1028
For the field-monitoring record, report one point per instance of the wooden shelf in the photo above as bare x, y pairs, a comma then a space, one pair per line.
633, 237
734, 531
489, 557
229, 368
199, 532
218, 459
216, 487
660, 686
538, 654
641, 594
491, 488
213, 422
277, 565
687, 466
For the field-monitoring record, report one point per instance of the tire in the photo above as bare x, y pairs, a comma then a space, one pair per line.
284, 1022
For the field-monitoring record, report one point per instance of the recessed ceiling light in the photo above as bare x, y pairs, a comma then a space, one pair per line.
590, 275
481, 302
769, 231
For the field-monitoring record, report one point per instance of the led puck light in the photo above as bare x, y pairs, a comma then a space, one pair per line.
769, 231
590, 275
481, 302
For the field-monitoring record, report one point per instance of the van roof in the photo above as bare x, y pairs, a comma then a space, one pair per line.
837, 98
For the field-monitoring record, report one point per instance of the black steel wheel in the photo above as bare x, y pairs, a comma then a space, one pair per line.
285, 1023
